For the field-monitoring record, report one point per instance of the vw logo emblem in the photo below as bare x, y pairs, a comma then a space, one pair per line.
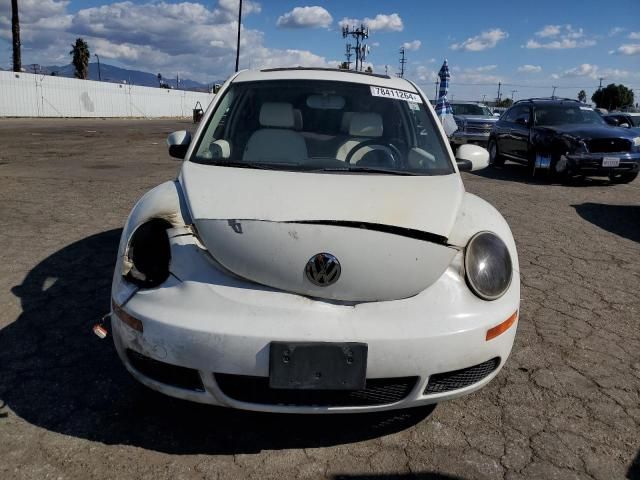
323, 269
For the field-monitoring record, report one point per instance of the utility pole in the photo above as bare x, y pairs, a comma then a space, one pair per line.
359, 33
512, 92
435, 98
600, 86
238, 46
99, 73
177, 81
386, 70
499, 87
553, 95
15, 33
403, 60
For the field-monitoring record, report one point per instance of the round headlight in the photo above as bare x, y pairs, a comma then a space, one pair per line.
488, 266
149, 254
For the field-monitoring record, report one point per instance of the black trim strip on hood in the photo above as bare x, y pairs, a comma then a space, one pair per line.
379, 227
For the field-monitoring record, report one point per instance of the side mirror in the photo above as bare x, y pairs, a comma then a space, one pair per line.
178, 143
471, 158
624, 125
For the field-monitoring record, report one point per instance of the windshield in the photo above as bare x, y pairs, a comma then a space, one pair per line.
470, 109
552, 115
323, 126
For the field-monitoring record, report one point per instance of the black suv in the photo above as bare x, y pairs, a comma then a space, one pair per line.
564, 138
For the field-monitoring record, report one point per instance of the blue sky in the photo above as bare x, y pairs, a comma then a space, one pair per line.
569, 44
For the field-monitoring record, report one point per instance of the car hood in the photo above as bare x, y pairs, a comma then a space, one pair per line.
478, 118
423, 203
585, 132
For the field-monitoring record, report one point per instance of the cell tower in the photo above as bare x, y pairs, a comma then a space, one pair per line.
348, 54
359, 33
403, 61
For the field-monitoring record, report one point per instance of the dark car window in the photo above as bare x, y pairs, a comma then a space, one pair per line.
553, 115
510, 115
518, 113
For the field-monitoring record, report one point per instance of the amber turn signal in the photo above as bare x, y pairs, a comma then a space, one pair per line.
503, 327
132, 321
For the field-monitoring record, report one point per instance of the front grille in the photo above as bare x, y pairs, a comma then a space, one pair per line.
378, 391
445, 382
607, 145
481, 128
166, 373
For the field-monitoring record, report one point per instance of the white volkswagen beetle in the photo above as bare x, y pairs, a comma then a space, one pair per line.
317, 253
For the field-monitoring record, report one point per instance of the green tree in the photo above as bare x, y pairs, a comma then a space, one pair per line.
582, 96
505, 102
369, 69
15, 33
343, 66
613, 97
81, 55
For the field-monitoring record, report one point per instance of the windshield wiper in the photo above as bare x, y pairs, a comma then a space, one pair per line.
367, 170
257, 165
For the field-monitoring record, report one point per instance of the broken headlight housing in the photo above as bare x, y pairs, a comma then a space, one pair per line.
488, 266
148, 254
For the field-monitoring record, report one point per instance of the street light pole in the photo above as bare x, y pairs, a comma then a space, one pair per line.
239, 25
99, 73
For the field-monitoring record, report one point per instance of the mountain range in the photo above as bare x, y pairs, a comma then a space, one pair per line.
111, 73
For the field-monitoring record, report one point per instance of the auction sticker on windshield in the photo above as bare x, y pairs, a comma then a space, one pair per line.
396, 94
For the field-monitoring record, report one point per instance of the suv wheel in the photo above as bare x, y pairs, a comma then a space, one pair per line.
495, 159
622, 177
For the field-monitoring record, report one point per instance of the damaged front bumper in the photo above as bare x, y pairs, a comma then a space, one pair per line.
593, 163
206, 324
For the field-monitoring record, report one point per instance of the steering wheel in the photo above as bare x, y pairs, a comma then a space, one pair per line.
392, 154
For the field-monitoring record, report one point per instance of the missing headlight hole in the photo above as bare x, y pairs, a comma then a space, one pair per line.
149, 254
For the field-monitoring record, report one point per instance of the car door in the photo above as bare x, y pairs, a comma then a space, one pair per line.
502, 132
520, 132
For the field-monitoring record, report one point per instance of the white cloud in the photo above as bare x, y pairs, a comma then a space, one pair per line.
485, 40
530, 68
412, 46
634, 36
616, 31
560, 37
629, 49
381, 23
595, 72
305, 17
549, 31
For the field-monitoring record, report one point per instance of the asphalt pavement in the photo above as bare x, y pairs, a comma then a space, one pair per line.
566, 405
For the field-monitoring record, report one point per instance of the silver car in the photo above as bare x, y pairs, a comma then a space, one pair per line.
474, 121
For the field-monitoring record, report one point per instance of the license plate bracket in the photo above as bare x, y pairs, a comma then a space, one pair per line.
610, 162
317, 365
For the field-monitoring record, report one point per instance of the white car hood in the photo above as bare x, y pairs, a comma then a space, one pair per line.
425, 203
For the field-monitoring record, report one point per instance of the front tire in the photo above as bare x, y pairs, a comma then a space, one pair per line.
619, 178
495, 159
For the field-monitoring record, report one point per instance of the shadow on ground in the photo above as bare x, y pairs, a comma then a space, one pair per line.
634, 468
516, 172
622, 220
57, 375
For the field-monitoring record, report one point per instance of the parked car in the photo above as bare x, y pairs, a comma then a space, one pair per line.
474, 121
566, 138
623, 119
317, 253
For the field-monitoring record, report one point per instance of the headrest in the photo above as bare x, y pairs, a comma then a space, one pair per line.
277, 114
365, 125
346, 122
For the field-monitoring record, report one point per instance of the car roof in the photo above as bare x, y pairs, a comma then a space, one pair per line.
329, 74
550, 101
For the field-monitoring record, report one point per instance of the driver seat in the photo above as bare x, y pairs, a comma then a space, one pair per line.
363, 127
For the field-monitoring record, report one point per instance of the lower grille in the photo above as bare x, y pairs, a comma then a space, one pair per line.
378, 391
478, 129
166, 373
609, 145
445, 382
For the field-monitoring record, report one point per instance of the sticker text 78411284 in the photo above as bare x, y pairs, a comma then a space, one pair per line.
395, 94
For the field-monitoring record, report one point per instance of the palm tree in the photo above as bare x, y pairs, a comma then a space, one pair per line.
15, 32
81, 56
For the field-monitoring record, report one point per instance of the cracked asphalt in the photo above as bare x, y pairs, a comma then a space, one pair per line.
566, 405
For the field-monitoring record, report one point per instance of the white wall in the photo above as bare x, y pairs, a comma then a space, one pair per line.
31, 95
